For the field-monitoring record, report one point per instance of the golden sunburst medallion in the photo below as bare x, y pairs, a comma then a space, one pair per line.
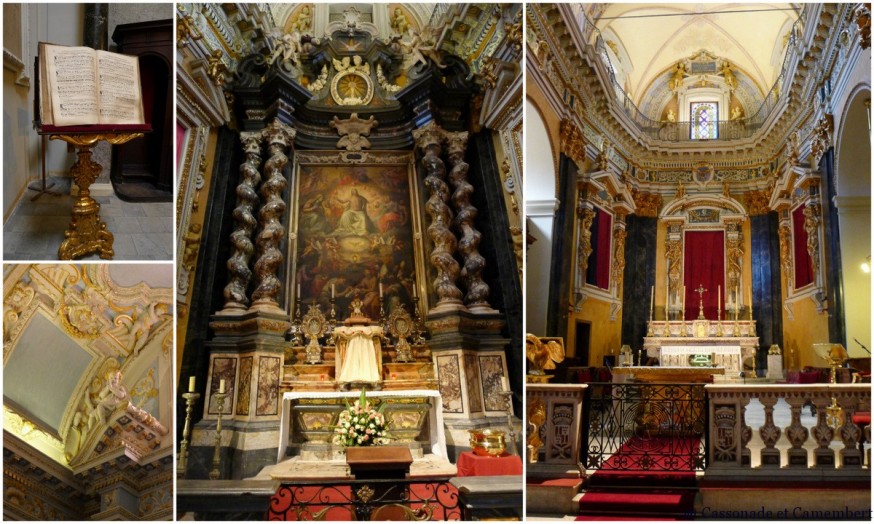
352, 88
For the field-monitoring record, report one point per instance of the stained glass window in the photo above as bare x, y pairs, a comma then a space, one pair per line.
705, 116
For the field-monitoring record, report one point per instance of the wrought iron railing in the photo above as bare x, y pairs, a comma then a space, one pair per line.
366, 500
679, 131
645, 427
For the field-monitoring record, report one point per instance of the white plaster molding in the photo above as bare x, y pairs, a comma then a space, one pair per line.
541, 208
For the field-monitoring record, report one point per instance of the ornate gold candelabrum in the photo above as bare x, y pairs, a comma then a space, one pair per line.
683, 323
417, 318
87, 233
182, 465
332, 322
736, 331
295, 329
216, 456
719, 320
835, 355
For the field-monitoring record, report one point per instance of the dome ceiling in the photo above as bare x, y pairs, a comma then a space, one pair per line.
653, 37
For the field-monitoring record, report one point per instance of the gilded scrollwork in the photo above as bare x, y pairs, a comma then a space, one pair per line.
786, 254
573, 142
618, 267
585, 216
822, 138
811, 226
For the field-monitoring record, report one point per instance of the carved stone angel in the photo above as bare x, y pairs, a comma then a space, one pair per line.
287, 49
421, 50
111, 397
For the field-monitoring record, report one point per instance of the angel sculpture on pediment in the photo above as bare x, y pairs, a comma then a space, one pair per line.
421, 50
287, 50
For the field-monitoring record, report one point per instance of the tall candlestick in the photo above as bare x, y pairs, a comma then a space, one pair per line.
652, 302
684, 301
751, 302
718, 302
191, 384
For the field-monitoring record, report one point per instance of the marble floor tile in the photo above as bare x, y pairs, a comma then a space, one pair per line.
35, 229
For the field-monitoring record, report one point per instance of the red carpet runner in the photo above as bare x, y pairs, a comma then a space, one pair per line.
655, 494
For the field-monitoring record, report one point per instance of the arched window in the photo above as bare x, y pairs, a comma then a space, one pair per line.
704, 117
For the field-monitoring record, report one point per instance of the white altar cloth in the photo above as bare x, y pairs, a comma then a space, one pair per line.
435, 414
728, 357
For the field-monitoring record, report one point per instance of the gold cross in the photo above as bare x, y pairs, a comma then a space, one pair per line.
700, 291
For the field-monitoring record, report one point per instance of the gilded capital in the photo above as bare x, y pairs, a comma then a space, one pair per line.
251, 141
573, 143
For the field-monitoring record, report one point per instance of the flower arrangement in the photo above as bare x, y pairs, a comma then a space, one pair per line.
361, 425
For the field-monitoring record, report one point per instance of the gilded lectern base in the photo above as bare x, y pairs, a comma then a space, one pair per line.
87, 233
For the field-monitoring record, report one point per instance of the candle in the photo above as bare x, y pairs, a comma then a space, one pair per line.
651, 302
718, 302
684, 300
222, 386
191, 384
380, 290
332, 290
751, 302
298, 290
505, 383
415, 295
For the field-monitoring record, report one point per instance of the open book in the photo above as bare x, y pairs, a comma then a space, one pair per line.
82, 86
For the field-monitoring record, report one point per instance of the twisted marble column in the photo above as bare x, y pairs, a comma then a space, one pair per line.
278, 137
238, 265
429, 138
477, 298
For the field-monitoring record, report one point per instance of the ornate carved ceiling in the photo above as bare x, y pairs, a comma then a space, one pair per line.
87, 364
576, 82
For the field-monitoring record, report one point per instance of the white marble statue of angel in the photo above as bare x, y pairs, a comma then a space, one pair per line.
111, 397
421, 50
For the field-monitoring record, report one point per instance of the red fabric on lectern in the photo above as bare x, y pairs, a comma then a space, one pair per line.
704, 264
803, 265
472, 465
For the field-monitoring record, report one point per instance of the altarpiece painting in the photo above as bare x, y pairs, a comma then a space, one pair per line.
354, 233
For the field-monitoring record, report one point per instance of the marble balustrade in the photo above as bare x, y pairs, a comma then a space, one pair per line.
730, 435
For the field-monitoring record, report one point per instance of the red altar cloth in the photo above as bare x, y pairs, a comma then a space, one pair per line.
472, 465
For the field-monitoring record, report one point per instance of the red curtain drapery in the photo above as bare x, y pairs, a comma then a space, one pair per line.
704, 264
803, 264
598, 273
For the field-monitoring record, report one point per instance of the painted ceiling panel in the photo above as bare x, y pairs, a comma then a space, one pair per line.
129, 275
43, 370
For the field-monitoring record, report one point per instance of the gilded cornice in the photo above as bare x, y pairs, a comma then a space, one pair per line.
554, 57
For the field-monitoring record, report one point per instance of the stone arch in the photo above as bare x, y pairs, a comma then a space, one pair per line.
853, 203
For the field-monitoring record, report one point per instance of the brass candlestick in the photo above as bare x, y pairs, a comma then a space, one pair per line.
216, 457
332, 322
182, 465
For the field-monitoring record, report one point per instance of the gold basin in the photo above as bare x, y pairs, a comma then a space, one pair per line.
487, 442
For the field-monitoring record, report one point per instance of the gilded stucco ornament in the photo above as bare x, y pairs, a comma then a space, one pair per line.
353, 132
352, 85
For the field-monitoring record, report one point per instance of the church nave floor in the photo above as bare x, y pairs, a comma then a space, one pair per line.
35, 230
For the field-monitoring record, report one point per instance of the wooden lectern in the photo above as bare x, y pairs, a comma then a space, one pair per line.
379, 462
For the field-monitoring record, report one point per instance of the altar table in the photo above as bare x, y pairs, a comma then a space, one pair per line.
728, 357
437, 437
472, 465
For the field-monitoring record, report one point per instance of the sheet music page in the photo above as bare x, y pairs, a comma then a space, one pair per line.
119, 94
72, 84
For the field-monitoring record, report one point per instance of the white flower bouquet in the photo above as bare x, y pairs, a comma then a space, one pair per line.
360, 424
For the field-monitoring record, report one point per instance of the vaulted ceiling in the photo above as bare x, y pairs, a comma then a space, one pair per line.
653, 37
